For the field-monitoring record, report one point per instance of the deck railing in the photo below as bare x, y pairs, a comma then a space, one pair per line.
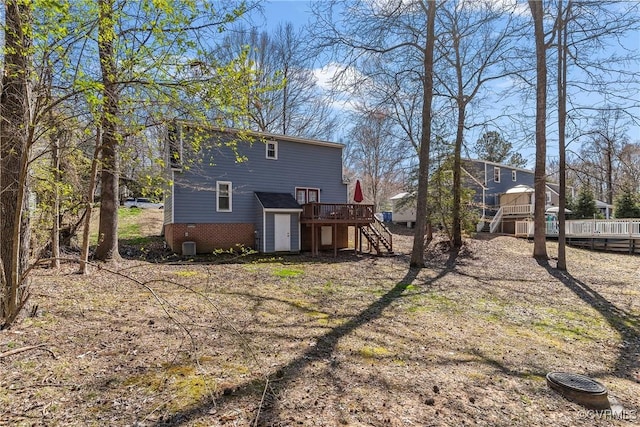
493, 225
517, 209
586, 227
337, 212
610, 227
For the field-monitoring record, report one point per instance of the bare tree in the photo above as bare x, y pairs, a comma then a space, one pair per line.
374, 154
286, 98
474, 45
357, 34
417, 254
629, 166
561, 79
540, 179
605, 142
582, 27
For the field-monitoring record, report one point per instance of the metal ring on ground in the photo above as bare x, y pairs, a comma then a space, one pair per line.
580, 389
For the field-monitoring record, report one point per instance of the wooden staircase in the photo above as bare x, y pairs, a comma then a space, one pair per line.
378, 236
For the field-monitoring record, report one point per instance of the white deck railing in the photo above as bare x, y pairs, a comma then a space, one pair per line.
493, 225
517, 209
586, 228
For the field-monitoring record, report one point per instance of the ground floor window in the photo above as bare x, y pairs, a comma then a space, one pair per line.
223, 196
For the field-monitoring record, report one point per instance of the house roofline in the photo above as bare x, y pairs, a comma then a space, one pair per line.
262, 135
474, 178
282, 210
502, 165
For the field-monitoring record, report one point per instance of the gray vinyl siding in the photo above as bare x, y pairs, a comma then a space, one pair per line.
259, 226
483, 172
495, 189
295, 233
269, 236
299, 164
168, 201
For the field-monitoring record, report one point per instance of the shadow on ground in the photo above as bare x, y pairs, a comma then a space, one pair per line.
323, 349
625, 323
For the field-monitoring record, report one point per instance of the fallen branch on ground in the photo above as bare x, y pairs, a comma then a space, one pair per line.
22, 349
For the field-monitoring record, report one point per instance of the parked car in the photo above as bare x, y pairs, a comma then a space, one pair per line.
142, 203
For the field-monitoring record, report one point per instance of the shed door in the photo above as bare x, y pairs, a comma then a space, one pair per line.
282, 232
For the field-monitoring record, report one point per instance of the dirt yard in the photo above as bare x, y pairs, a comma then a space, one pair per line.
354, 340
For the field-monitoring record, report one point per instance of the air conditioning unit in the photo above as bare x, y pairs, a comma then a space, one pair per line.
188, 248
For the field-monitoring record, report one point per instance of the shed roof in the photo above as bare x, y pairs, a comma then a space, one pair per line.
399, 196
277, 201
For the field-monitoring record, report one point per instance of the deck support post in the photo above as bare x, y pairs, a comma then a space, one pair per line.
356, 233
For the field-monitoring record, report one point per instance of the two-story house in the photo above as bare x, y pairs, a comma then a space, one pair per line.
231, 188
503, 194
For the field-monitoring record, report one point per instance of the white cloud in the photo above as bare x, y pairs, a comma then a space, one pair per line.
336, 76
335, 80
325, 75
515, 6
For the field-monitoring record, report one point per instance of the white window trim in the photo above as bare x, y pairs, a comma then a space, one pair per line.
306, 193
275, 148
514, 176
218, 184
548, 197
496, 174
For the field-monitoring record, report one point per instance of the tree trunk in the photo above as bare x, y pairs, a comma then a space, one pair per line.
14, 154
55, 229
457, 176
609, 171
417, 254
539, 230
562, 120
107, 249
84, 257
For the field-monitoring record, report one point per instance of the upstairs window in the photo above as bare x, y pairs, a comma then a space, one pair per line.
223, 199
272, 150
307, 195
496, 174
514, 177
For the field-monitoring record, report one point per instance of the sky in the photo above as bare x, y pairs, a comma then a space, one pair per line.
298, 12
295, 11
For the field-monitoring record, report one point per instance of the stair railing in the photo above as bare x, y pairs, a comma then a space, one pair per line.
380, 234
493, 225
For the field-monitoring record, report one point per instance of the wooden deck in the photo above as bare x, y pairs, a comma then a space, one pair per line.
620, 235
332, 213
368, 228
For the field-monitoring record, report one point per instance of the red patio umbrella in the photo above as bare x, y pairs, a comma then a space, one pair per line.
357, 195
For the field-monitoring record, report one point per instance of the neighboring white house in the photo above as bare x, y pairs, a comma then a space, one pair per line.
604, 208
400, 213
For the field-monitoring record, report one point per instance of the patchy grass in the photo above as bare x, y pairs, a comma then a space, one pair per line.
352, 340
138, 227
286, 272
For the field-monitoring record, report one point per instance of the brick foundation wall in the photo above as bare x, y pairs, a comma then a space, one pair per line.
209, 237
